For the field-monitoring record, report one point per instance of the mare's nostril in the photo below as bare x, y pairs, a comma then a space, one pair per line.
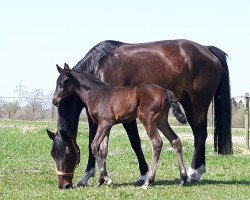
67, 186
60, 187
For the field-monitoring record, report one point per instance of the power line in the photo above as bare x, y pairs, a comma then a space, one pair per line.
21, 91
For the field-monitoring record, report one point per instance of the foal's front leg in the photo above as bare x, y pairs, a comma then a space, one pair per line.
100, 150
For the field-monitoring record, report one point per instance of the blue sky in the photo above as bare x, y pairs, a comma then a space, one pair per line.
37, 35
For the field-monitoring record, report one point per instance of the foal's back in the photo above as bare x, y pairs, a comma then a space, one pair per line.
152, 101
122, 104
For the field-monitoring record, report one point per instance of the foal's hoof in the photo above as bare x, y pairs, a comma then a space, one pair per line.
109, 182
100, 182
147, 184
145, 187
182, 182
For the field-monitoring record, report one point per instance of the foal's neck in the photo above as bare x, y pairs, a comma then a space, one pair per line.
88, 84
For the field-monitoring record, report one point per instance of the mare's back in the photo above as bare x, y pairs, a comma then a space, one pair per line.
173, 64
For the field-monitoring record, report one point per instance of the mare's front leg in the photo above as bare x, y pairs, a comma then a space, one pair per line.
99, 148
90, 170
135, 141
156, 143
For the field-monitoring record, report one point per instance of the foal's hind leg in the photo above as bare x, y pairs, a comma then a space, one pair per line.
100, 149
175, 141
157, 143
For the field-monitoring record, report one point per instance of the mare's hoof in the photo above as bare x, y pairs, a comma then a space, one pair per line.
139, 183
192, 181
81, 184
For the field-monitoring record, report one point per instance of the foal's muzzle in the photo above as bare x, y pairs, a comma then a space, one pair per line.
55, 102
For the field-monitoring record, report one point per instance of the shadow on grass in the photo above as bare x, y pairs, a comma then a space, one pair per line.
228, 182
135, 184
203, 182
176, 182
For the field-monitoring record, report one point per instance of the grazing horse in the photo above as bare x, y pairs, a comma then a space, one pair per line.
194, 72
109, 105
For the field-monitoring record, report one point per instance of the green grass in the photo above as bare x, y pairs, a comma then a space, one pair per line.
27, 169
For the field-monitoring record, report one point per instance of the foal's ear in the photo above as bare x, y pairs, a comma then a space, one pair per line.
66, 66
67, 69
50, 134
59, 69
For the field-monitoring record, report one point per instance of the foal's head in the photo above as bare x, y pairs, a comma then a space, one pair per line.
65, 85
66, 154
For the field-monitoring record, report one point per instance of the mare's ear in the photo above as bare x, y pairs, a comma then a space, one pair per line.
59, 69
67, 70
50, 134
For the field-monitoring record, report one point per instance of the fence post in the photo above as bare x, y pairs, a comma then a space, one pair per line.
247, 119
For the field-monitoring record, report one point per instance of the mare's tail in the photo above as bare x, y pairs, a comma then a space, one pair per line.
179, 115
222, 107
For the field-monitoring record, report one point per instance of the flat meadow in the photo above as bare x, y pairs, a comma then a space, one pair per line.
27, 169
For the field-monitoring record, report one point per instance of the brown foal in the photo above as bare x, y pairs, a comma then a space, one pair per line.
108, 105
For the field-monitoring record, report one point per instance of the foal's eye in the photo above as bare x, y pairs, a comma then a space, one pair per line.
61, 85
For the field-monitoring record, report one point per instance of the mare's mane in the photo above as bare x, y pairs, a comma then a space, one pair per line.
58, 147
95, 56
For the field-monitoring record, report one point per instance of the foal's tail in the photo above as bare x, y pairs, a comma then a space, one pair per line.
179, 115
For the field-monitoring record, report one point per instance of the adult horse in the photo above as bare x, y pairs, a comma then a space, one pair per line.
195, 73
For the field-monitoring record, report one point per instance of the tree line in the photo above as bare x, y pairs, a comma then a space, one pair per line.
35, 106
38, 106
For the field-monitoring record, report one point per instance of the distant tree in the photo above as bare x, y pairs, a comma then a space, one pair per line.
51, 106
43, 112
15, 107
238, 111
1, 108
11, 107
36, 100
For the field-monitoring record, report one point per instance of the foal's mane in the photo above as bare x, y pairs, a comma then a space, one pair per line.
96, 55
88, 81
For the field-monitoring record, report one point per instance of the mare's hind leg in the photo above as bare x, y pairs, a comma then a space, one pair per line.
175, 141
135, 141
197, 118
156, 143
100, 149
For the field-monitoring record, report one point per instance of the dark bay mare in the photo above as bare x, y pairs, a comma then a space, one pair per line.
194, 72
109, 105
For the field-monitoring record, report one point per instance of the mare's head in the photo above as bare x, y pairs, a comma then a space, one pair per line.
66, 154
65, 85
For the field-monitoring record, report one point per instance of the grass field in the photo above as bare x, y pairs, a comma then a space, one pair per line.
27, 169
